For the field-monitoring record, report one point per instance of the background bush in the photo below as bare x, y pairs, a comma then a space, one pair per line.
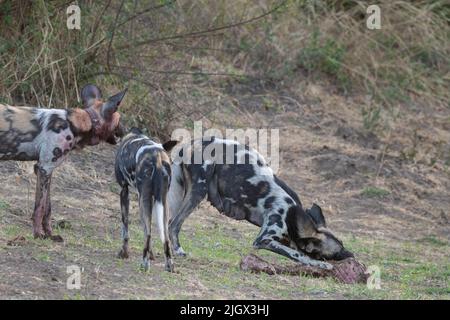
177, 57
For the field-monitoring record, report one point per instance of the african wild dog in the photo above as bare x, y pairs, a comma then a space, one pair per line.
47, 135
145, 166
248, 189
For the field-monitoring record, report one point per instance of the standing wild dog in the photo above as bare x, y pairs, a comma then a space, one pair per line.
47, 136
145, 166
238, 182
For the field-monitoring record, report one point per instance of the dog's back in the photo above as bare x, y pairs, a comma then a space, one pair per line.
234, 177
142, 164
145, 166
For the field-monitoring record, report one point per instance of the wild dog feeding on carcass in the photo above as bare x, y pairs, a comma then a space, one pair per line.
47, 136
145, 166
247, 189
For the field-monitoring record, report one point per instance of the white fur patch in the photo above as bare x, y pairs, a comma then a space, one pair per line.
158, 210
206, 164
147, 147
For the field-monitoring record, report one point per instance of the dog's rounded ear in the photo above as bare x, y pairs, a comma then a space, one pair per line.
89, 94
111, 106
317, 216
168, 145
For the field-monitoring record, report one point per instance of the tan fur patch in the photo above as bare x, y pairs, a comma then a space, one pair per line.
165, 157
158, 160
81, 120
4, 125
114, 121
97, 105
21, 118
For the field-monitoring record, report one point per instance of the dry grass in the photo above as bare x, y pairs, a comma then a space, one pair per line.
179, 72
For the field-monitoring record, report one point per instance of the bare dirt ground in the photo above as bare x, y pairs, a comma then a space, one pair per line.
387, 195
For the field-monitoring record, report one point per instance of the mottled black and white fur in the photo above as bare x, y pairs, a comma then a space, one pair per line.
249, 190
144, 165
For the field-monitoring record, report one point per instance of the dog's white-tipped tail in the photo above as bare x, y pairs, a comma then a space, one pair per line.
158, 211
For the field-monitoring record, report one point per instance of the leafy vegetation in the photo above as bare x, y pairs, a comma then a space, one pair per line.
203, 46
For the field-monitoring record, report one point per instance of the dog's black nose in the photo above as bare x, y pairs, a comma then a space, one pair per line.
343, 254
347, 254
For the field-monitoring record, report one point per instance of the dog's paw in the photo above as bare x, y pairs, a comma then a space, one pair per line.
180, 252
169, 266
325, 265
321, 265
38, 235
145, 265
123, 254
151, 256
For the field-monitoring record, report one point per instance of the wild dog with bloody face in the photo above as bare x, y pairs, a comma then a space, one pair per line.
47, 136
247, 189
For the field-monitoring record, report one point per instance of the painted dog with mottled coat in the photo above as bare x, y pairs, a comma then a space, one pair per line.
248, 189
144, 165
47, 136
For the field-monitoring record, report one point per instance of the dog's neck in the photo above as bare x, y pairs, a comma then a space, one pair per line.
96, 123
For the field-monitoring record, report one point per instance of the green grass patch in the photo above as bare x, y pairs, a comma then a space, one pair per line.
4, 205
374, 192
324, 55
434, 241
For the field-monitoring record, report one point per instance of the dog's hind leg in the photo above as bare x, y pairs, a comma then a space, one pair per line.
271, 244
194, 195
124, 208
145, 208
162, 213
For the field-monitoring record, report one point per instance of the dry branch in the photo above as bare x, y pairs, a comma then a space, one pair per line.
203, 32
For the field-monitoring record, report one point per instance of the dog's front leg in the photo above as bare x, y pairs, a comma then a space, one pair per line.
47, 221
277, 247
42, 200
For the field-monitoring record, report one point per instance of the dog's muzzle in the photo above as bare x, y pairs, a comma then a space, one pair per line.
343, 254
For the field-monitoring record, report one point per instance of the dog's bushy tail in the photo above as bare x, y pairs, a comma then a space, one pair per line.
161, 182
